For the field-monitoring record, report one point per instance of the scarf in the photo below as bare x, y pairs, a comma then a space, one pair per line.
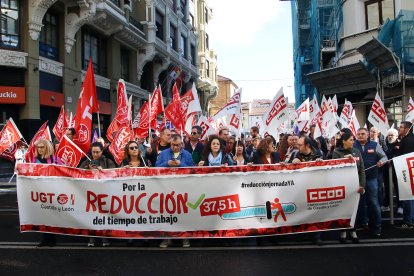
214, 161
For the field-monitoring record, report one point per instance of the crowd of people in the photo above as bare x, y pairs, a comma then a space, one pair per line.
372, 151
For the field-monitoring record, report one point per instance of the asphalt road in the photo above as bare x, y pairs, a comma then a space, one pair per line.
392, 254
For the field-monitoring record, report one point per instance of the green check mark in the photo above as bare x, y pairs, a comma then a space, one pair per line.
198, 202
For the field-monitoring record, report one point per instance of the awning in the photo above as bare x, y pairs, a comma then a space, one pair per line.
379, 55
348, 78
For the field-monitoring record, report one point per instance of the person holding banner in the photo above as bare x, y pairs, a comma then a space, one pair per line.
239, 154
175, 156
345, 149
406, 146
374, 157
44, 153
266, 153
132, 156
215, 154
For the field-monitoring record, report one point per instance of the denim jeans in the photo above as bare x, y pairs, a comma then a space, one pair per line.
408, 207
369, 201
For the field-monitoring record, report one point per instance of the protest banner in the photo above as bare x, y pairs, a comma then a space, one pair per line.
404, 169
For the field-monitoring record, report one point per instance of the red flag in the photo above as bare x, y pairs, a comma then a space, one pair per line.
173, 111
87, 104
142, 130
68, 152
122, 137
9, 135
121, 115
61, 124
11, 151
42, 133
156, 105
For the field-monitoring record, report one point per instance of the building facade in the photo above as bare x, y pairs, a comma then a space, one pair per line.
368, 48
226, 89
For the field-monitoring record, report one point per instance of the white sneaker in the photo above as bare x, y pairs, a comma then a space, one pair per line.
105, 243
385, 209
186, 243
400, 210
165, 243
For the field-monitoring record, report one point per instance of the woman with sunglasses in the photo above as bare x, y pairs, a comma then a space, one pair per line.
132, 156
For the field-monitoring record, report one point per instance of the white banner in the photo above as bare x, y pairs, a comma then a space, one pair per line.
188, 202
404, 169
378, 115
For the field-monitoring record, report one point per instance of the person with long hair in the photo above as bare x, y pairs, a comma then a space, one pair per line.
266, 153
132, 156
345, 149
44, 153
239, 154
214, 153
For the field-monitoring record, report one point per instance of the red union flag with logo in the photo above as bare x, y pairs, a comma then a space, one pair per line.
88, 103
68, 152
276, 114
143, 126
61, 124
378, 116
410, 111
9, 135
42, 133
121, 115
173, 112
122, 137
404, 169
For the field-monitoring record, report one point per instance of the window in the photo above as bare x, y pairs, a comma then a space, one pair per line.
193, 54
159, 22
48, 41
206, 14
207, 42
173, 37
91, 50
207, 68
377, 12
10, 24
183, 45
125, 64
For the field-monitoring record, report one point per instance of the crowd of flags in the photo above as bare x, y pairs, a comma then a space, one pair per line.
183, 112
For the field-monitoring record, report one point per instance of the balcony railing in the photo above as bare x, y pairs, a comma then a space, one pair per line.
136, 23
116, 2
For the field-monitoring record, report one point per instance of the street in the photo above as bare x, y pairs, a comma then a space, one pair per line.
285, 255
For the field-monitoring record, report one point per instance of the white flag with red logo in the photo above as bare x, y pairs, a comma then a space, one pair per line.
303, 126
302, 112
68, 152
207, 128
404, 169
315, 114
121, 115
354, 124
61, 124
333, 109
378, 116
346, 114
276, 114
173, 111
410, 111
190, 102
122, 137
9, 135
232, 106
334, 104
87, 104
42, 133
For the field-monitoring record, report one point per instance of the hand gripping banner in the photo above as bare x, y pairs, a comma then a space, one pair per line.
196, 202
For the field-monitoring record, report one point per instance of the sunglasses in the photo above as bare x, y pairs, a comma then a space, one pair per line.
133, 148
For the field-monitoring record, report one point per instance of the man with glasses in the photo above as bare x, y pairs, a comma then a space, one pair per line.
175, 156
305, 152
374, 157
406, 146
194, 146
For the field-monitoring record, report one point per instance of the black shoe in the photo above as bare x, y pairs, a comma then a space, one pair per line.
130, 243
355, 240
46, 243
319, 242
342, 240
404, 226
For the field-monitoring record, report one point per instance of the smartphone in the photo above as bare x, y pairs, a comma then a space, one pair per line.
95, 163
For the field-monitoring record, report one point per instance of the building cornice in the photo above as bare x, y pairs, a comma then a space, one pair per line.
13, 58
50, 66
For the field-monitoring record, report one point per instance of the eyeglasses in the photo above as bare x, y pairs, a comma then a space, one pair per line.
40, 147
175, 145
96, 152
194, 133
133, 148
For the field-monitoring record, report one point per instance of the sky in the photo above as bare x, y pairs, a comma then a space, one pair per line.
253, 43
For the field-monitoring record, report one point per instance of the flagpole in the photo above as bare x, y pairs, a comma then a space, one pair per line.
99, 125
149, 119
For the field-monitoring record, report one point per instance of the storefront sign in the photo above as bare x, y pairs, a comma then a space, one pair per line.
12, 95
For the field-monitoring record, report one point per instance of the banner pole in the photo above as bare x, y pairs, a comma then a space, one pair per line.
391, 194
99, 125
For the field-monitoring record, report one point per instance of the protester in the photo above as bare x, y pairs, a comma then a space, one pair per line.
265, 153
319, 142
292, 146
346, 149
100, 162
194, 146
214, 153
224, 134
175, 156
132, 156
231, 141
406, 146
373, 157
305, 153
70, 133
159, 145
239, 154
44, 153
283, 146
254, 132
392, 143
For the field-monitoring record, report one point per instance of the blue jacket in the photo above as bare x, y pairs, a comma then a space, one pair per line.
371, 154
185, 158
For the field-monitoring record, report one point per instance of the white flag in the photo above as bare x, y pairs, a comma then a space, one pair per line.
410, 111
346, 114
303, 111
206, 127
232, 106
194, 105
354, 124
276, 114
334, 104
404, 169
378, 116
